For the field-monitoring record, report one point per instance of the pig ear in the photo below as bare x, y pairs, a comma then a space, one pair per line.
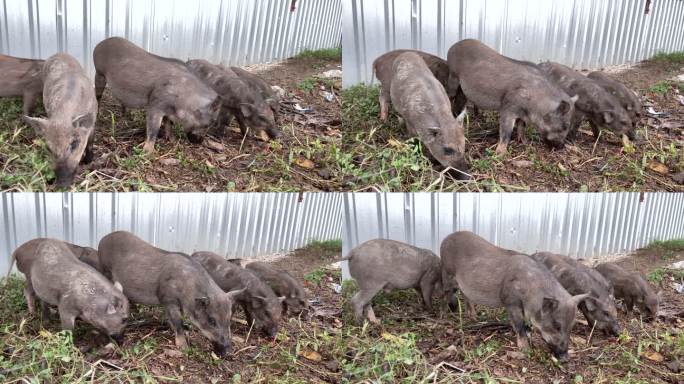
607, 117
39, 124
118, 286
577, 298
234, 295
246, 109
202, 301
82, 121
216, 104
564, 107
591, 303
549, 305
110, 309
282, 298
574, 98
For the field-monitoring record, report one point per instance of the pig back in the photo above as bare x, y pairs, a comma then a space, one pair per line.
67, 89
383, 66
18, 76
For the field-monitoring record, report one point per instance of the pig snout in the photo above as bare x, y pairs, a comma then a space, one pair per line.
560, 350
223, 346
118, 338
615, 329
273, 331
273, 133
65, 175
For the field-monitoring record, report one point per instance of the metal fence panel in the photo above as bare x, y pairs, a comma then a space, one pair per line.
231, 224
583, 34
230, 32
581, 225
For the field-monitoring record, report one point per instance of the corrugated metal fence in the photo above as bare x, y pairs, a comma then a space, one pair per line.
580, 33
232, 224
582, 225
235, 32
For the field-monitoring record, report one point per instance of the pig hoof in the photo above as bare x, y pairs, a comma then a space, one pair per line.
148, 147
222, 350
501, 150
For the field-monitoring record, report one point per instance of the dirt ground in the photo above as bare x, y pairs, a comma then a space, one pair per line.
654, 162
301, 160
411, 345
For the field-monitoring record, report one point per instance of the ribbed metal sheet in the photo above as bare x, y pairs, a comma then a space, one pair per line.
234, 32
231, 224
582, 225
580, 33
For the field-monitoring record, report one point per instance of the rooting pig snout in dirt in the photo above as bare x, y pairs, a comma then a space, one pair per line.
423, 103
152, 276
598, 105
259, 302
387, 265
260, 86
283, 285
383, 68
56, 276
628, 99
526, 289
165, 87
21, 77
520, 93
576, 278
71, 107
632, 289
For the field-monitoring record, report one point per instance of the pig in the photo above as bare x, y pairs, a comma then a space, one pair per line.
383, 68
387, 265
632, 289
259, 85
167, 90
21, 77
283, 285
525, 288
599, 308
627, 98
595, 103
520, 93
262, 307
71, 107
56, 276
423, 103
153, 276
237, 97
86, 255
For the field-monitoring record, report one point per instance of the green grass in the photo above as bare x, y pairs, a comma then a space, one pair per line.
321, 54
674, 57
334, 245
676, 245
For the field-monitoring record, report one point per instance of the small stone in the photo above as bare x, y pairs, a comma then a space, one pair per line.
522, 163
517, 355
674, 366
324, 173
169, 161
679, 177
174, 353
215, 145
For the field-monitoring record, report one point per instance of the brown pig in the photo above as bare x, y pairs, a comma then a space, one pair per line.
383, 69
382, 264
260, 304
518, 283
21, 77
576, 278
632, 289
282, 284
595, 103
167, 90
627, 98
152, 276
58, 278
71, 107
423, 103
520, 93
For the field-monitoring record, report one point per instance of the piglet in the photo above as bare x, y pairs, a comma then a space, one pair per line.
21, 77
632, 289
282, 284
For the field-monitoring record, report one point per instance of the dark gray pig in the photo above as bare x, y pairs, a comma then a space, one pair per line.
632, 289
384, 71
152, 276
164, 87
387, 265
260, 304
58, 278
525, 288
520, 93
84, 254
71, 107
627, 98
21, 78
237, 97
576, 278
258, 84
283, 285
423, 103
595, 103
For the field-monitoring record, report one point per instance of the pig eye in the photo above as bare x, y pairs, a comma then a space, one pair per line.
74, 144
211, 321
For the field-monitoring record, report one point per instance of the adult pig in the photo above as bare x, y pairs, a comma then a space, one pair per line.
576, 278
520, 93
382, 264
237, 97
423, 103
21, 78
71, 107
152, 276
632, 289
259, 85
383, 67
164, 87
627, 98
58, 278
282, 284
262, 307
518, 283
595, 103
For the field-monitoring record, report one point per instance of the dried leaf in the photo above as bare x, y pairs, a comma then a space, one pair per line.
169, 161
304, 163
310, 355
264, 136
174, 353
654, 356
395, 143
522, 163
627, 145
658, 167
215, 145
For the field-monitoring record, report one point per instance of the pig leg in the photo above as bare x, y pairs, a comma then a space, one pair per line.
384, 104
30, 296
248, 315
29, 102
100, 84
168, 128
44, 312
88, 154
371, 315
66, 314
426, 287
173, 314
361, 299
506, 125
520, 130
515, 314
594, 129
241, 123
154, 120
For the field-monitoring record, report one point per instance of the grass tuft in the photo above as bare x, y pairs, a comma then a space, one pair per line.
676, 245
332, 246
673, 57
321, 54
